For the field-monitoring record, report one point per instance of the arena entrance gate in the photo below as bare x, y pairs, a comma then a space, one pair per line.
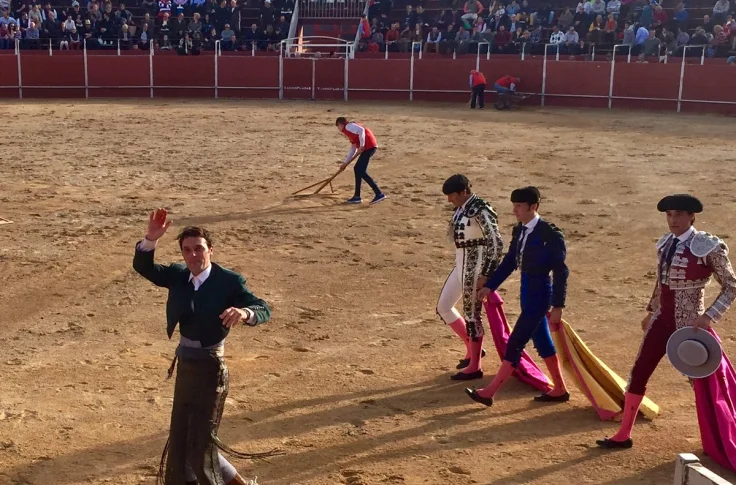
314, 68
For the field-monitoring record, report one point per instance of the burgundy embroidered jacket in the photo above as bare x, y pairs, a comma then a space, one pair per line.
696, 259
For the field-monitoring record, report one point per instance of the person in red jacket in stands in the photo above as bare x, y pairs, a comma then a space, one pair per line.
506, 88
478, 86
362, 145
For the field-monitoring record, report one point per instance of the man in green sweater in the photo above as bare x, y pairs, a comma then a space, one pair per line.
206, 301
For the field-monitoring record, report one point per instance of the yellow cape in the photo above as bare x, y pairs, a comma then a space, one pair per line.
603, 387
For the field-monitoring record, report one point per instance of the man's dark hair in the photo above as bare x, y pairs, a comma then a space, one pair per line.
341, 120
193, 231
455, 184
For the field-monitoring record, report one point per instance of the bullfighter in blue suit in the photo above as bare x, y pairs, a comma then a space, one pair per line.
537, 249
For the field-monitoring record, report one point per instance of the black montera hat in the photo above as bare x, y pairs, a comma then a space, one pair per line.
456, 183
680, 202
526, 195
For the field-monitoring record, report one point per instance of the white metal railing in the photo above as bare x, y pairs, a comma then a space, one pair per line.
613, 68
357, 31
682, 70
348, 47
544, 69
293, 25
477, 54
287, 45
332, 9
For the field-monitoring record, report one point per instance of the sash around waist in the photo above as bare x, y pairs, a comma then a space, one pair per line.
193, 353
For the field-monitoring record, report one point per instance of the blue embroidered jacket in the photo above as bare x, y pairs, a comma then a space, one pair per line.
544, 253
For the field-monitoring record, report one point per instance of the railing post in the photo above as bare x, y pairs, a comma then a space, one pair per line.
150, 67
477, 57
314, 75
217, 73
682, 73
281, 70
252, 49
20, 75
544, 72
86, 71
702, 57
411, 74
592, 56
613, 67
347, 67
51, 51
385, 56
118, 46
523, 49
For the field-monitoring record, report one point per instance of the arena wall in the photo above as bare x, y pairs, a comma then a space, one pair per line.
675, 86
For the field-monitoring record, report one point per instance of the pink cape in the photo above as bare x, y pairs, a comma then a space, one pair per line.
527, 372
715, 397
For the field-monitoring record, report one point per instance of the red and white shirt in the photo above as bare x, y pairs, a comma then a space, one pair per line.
360, 137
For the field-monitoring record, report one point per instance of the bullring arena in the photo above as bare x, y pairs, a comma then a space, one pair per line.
350, 378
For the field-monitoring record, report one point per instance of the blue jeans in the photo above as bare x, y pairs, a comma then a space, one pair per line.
501, 90
361, 173
536, 297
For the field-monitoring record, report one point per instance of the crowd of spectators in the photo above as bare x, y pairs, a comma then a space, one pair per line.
188, 26
643, 27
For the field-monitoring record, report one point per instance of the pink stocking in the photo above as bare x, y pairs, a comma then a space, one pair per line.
631, 409
504, 372
476, 349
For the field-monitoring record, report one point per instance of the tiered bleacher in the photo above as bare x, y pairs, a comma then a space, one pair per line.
442, 27
646, 27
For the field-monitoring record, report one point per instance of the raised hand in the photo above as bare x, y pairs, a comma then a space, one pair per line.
157, 224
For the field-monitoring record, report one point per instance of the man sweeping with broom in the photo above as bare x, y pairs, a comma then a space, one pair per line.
362, 146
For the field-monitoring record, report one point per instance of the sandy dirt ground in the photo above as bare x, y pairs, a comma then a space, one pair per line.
351, 376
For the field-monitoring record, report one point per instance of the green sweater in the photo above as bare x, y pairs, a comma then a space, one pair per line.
222, 289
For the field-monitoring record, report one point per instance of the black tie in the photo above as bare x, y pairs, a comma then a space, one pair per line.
519, 245
670, 255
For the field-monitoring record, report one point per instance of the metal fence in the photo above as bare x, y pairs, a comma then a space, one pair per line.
331, 9
344, 49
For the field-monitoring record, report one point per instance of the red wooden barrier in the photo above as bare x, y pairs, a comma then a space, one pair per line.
379, 79
435, 78
577, 84
9, 76
248, 77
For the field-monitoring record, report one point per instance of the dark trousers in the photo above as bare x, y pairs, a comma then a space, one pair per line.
478, 94
536, 297
361, 172
654, 344
199, 399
